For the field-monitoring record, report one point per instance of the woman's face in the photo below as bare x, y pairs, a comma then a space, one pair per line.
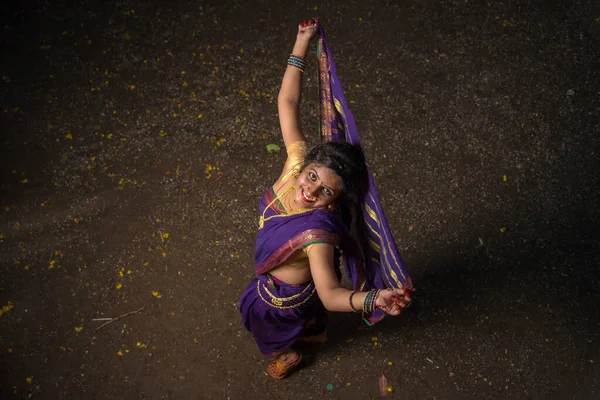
317, 187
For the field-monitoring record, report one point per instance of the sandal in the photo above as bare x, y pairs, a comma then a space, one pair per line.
279, 370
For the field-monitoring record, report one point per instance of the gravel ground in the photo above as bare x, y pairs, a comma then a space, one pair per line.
134, 151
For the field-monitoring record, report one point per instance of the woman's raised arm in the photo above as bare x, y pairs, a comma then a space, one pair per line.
288, 101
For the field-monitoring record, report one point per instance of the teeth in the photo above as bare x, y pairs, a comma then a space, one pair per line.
308, 198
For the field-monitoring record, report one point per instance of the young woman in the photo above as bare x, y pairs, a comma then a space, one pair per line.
298, 276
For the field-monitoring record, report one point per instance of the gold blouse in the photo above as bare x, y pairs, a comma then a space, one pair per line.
296, 152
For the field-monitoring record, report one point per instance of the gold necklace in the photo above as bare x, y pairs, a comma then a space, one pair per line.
262, 219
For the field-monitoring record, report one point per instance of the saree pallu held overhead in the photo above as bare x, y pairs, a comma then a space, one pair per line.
383, 265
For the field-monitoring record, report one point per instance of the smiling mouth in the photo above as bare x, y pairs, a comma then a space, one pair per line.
307, 199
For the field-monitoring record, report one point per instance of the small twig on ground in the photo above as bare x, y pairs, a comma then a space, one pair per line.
118, 318
242, 129
236, 138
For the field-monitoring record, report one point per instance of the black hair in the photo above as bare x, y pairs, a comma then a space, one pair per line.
347, 161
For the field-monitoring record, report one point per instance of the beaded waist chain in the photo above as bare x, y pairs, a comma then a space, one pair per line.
283, 303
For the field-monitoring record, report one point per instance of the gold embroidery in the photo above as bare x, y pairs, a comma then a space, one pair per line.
387, 246
374, 245
338, 107
371, 213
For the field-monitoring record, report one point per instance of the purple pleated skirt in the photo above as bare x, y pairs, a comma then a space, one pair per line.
278, 314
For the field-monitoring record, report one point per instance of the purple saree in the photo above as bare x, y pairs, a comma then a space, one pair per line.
383, 264
278, 314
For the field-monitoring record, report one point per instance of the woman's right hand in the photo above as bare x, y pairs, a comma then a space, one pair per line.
308, 29
393, 301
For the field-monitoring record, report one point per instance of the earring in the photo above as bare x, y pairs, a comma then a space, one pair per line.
331, 207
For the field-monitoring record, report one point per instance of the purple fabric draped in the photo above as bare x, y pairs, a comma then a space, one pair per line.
277, 313
282, 237
384, 266
276, 327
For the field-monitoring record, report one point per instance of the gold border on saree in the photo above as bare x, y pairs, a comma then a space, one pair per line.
277, 302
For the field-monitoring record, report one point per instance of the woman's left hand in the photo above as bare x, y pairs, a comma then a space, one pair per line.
393, 301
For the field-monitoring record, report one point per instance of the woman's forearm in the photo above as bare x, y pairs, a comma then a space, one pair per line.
291, 85
338, 299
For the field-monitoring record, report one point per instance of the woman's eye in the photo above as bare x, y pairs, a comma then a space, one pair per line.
327, 192
312, 176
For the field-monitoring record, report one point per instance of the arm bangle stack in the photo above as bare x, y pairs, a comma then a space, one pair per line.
369, 304
350, 300
298, 62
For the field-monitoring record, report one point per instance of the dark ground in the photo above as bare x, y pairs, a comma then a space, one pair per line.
133, 154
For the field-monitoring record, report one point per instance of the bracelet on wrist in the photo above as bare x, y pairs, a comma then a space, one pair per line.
297, 62
350, 301
369, 304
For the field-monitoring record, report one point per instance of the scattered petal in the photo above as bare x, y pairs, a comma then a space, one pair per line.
29, 379
156, 294
503, 229
504, 178
330, 386
78, 329
383, 386
6, 308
